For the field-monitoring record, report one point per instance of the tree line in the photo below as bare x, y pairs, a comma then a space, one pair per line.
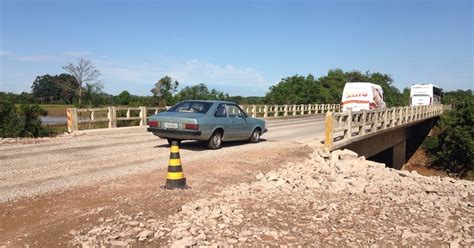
327, 89
80, 85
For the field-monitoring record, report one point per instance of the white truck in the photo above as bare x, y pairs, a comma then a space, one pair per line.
425, 94
359, 96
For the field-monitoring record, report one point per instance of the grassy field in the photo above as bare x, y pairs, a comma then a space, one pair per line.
56, 110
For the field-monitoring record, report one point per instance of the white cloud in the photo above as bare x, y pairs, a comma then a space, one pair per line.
4, 53
77, 53
38, 58
141, 76
195, 71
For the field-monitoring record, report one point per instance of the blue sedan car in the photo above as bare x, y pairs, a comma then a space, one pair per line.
210, 121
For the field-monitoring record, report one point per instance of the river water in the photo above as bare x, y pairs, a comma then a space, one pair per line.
48, 120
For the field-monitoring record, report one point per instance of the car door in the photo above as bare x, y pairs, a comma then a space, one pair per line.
221, 119
239, 125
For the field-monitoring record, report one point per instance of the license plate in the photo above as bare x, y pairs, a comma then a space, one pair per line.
171, 125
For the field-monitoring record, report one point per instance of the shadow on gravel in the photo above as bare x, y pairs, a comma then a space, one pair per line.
202, 146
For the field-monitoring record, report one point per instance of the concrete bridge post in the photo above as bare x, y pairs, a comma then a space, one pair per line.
112, 116
399, 155
364, 117
143, 116
348, 132
294, 109
286, 110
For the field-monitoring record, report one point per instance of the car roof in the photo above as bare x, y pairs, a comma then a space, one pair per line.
210, 101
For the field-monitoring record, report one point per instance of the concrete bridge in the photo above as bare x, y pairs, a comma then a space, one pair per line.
389, 135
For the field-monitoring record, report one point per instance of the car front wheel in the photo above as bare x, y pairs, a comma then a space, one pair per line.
215, 142
255, 136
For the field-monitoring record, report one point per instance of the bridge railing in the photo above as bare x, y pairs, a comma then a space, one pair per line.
268, 111
110, 117
342, 128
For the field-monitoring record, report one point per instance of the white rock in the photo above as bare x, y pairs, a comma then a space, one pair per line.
185, 242
347, 155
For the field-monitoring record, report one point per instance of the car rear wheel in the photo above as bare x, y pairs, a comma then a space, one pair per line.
255, 137
171, 140
215, 142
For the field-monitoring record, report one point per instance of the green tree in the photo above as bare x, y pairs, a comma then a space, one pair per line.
331, 86
93, 94
293, 90
456, 97
46, 89
200, 92
404, 99
20, 122
163, 91
51, 89
67, 84
453, 149
124, 98
31, 122
10, 124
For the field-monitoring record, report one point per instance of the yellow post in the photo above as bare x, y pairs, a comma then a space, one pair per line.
329, 130
72, 125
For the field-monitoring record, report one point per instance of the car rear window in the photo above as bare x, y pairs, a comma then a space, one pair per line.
191, 107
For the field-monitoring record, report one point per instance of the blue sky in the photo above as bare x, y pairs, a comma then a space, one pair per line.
239, 47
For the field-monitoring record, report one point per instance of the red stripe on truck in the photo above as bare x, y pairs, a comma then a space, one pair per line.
355, 101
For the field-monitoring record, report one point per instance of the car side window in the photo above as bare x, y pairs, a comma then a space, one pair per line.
221, 111
234, 111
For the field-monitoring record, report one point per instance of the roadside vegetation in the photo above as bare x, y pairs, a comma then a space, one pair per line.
450, 149
22, 121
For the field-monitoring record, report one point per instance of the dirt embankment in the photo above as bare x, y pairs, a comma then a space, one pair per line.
52, 218
332, 199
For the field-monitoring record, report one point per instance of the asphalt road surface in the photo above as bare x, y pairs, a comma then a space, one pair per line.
64, 162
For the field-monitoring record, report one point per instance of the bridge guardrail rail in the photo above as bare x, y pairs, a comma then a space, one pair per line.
345, 127
110, 115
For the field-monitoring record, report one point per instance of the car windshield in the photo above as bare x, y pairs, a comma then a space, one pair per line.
191, 107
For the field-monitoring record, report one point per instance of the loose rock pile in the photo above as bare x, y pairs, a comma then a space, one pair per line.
333, 198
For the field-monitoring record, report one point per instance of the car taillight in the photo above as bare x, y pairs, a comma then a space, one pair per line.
191, 126
153, 123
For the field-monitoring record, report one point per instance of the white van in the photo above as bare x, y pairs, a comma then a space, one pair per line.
362, 96
425, 94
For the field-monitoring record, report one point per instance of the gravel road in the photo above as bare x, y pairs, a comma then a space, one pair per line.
60, 163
